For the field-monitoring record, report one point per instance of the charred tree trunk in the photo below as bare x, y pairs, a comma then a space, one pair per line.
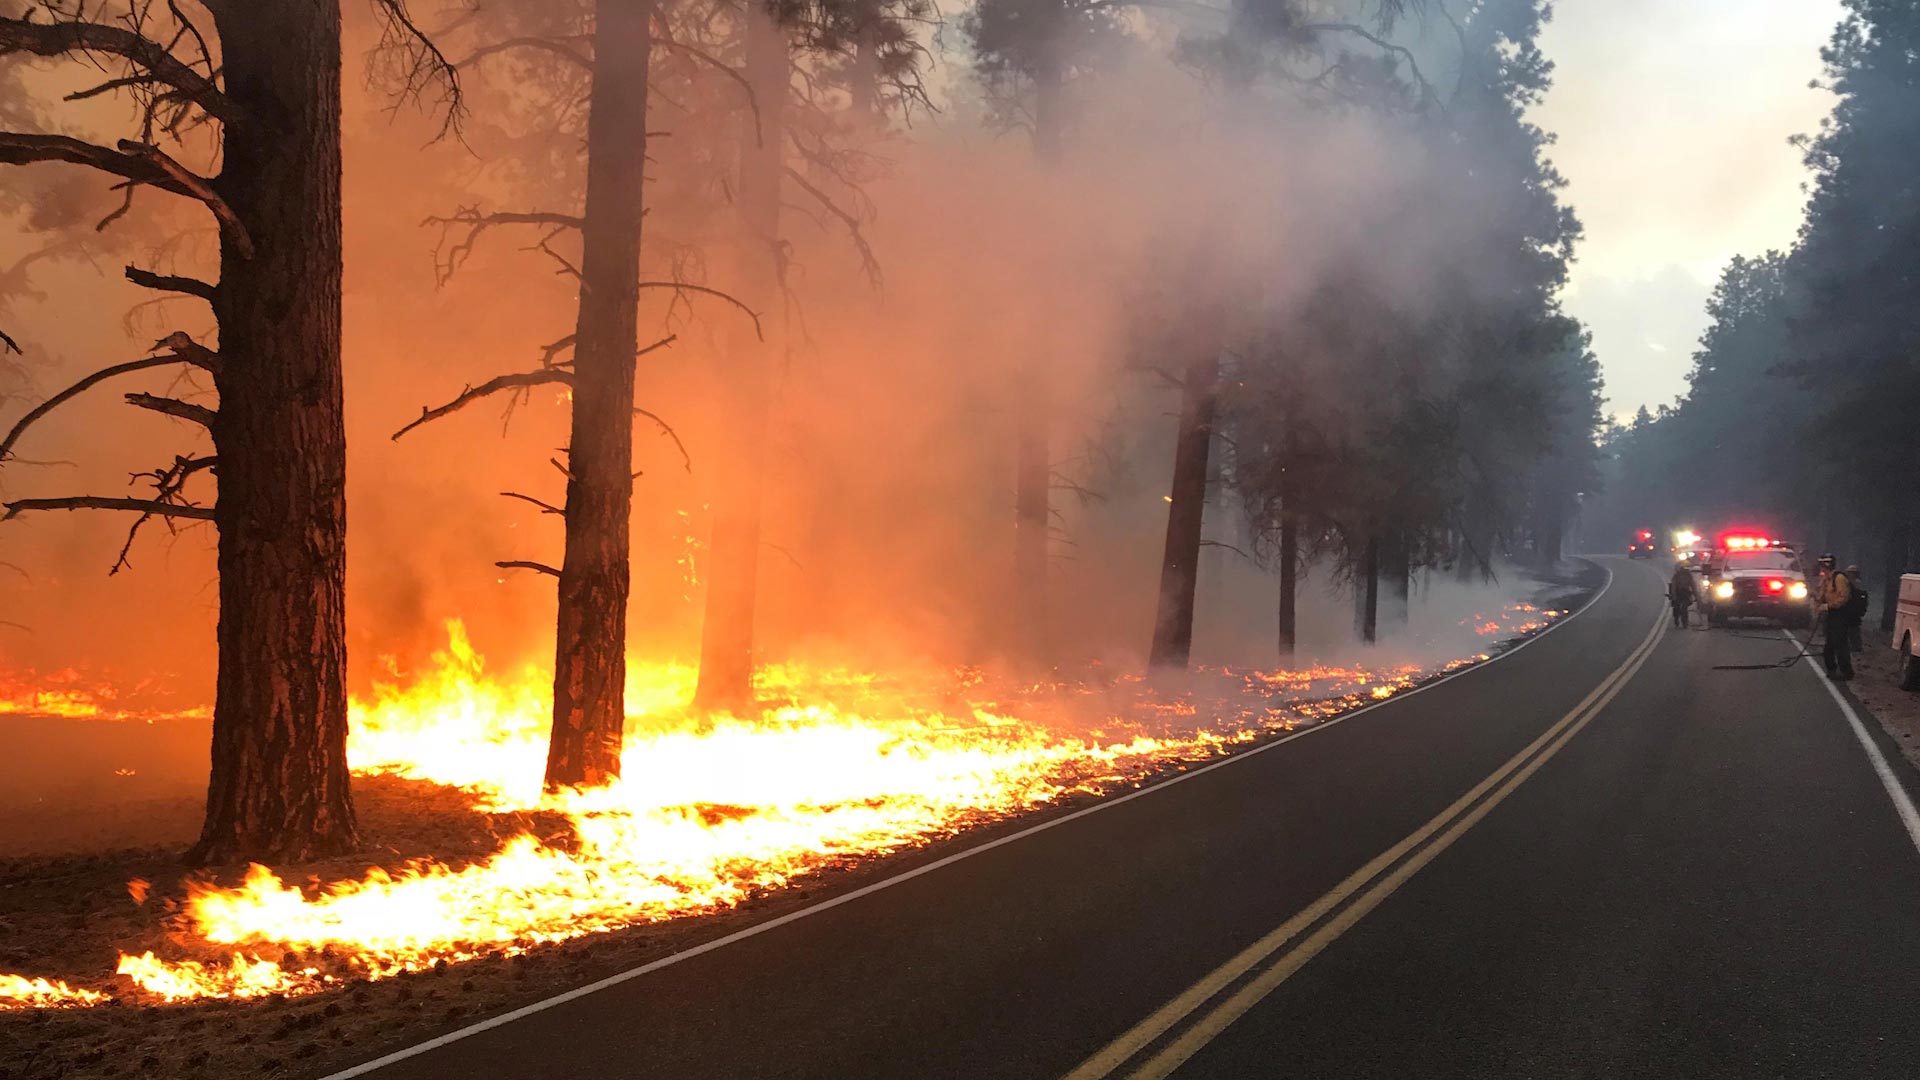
1367, 586
1180, 559
1289, 583
278, 787
590, 641
726, 635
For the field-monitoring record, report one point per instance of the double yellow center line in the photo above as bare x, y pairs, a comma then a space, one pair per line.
1275, 957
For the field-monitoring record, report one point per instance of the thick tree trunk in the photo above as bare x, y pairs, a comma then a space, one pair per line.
1289, 584
590, 641
1180, 558
726, 637
1367, 587
278, 788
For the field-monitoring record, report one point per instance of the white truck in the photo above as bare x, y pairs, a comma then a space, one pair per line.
1906, 631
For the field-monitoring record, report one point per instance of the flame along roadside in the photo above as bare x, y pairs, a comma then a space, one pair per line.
468, 1031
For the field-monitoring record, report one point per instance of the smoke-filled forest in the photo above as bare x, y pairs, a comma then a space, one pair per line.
682, 448
1799, 414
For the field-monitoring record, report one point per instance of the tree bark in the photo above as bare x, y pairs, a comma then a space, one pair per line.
279, 787
1368, 587
727, 634
1289, 582
1180, 558
590, 641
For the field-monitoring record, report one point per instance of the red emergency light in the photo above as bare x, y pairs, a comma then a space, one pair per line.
1776, 585
1742, 541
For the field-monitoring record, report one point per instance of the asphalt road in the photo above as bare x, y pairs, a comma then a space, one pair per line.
1599, 856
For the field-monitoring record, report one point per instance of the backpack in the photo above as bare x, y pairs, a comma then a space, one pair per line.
1855, 609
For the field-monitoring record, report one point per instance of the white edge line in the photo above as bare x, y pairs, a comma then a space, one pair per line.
1902, 802
575, 994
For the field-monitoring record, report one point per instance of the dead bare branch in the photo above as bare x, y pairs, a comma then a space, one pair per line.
555, 46
167, 406
868, 262
662, 40
23, 148
521, 564
448, 258
545, 507
98, 502
524, 380
171, 283
683, 286
418, 65
54, 39
167, 484
197, 186
11, 345
34, 414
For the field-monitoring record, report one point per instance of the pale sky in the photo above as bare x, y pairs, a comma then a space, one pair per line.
1673, 118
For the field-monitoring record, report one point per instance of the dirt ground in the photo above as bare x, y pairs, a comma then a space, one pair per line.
1877, 686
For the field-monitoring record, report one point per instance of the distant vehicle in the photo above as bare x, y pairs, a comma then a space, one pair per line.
1753, 576
1641, 546
1906, 631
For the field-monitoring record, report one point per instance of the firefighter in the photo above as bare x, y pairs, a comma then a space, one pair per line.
1680, 594
1836, 589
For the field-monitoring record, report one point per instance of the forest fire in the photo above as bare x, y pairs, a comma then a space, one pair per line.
70, 695
711, 810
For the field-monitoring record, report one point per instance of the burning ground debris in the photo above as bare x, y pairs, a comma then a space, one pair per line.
711, 812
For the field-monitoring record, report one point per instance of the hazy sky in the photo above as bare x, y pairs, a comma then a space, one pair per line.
1673, 118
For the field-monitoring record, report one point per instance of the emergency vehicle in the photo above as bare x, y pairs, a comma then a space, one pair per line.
1906, 631
1641, 546
1754, 576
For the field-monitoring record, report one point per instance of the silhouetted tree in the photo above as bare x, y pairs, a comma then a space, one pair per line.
268, 76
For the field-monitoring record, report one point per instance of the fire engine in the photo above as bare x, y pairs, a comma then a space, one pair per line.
1754, 576
1641, 545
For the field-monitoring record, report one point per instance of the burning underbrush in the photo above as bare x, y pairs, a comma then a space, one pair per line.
712, 811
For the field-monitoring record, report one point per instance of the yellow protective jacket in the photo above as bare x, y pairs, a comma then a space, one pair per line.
1835, 591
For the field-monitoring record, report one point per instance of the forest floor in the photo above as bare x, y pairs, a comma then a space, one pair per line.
1877, 686
67, 856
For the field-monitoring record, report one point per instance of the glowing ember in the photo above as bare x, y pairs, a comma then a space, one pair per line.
711, 810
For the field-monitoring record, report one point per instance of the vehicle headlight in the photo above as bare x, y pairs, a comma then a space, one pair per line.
1797, 590
1724, 590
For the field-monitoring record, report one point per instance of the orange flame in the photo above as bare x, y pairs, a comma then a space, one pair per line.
710, 810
